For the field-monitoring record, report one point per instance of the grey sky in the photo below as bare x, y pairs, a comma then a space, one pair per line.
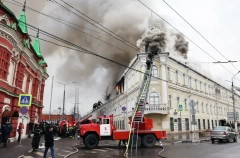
217, 20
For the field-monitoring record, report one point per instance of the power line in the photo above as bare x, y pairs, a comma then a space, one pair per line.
59, 20
199, 34
118, 37
184, 35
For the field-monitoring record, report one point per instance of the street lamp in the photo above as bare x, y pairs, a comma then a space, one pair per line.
64, 96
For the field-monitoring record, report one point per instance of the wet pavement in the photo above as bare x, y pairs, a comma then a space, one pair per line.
181, 150
62, 148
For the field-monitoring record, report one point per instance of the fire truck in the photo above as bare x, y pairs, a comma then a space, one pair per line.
140, 132
104, 129
68, 124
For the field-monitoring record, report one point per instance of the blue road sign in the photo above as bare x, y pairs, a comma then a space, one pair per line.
25, 100
24, 110
180, 107
123, 108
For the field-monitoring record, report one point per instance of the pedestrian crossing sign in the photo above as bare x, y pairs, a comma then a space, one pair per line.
25, 100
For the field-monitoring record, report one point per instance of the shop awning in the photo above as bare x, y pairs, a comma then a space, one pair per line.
10, 114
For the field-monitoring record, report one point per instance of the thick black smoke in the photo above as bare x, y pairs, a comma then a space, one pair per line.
181, 45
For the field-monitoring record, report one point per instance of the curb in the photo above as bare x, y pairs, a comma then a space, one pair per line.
192, 141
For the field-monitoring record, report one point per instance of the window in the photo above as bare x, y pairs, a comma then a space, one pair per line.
39, 91
30, 86
155, 71
200, 86
202, 108
178, 100
5, 56
196, 86
207, 108
176, 76
24, 83
197, 107
210, 109
170, 101
185, 102
190, 82
11, 72
205, 88
169, 73
184, 79
153, 98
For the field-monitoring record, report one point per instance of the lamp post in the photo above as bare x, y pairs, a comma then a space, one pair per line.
59, 113
64, 96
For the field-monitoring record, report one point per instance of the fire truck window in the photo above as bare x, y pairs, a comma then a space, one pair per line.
106, 121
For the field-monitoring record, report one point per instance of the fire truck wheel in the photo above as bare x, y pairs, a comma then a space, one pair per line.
91, 141
136, 140
149, 140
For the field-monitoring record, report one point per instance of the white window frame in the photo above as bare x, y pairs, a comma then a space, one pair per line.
155, 71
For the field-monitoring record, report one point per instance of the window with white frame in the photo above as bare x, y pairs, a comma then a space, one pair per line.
155, 71
185, 103
202, 108
11, 72
211, 109
176, 76
196, 86
207, 108
169, 73
170, 101
30, 86
190, 82
197, 107
24, 85
184, 79
153, 98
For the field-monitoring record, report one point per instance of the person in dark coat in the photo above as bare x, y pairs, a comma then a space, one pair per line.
36, 137
6, 130
31, 124
20, 128
49, 141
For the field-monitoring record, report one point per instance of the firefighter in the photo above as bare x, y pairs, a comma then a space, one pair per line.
70, 129
64, 130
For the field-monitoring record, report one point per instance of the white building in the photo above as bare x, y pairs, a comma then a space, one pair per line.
174, 83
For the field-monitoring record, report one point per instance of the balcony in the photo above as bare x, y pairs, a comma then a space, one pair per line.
156, 109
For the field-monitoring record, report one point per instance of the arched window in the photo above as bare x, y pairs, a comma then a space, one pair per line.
155, 71
154, 98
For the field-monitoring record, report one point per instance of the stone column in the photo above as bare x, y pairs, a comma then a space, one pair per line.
163, 58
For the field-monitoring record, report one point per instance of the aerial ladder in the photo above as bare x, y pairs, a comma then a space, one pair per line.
138, 114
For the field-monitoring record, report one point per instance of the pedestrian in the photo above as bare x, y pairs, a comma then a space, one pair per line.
36, 137
6, 130
49, 141
30, 125
20, 128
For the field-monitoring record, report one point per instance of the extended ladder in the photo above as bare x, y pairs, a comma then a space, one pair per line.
138, 114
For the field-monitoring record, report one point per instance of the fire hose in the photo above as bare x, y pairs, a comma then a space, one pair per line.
74, 147
160, 152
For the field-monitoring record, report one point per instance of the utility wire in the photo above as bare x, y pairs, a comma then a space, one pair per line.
199, 33
59, 20
184, 35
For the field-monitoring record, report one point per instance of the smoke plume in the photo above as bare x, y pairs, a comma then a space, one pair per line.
181, 45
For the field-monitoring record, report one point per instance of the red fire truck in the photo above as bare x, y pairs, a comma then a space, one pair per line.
104, 129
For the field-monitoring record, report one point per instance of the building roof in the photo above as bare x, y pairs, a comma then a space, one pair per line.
22, 22
36, 47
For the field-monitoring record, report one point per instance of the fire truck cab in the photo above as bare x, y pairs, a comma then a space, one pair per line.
104, 129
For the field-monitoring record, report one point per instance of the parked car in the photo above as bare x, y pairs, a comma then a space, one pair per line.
223, 133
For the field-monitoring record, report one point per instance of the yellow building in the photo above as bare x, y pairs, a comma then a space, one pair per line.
174, 83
